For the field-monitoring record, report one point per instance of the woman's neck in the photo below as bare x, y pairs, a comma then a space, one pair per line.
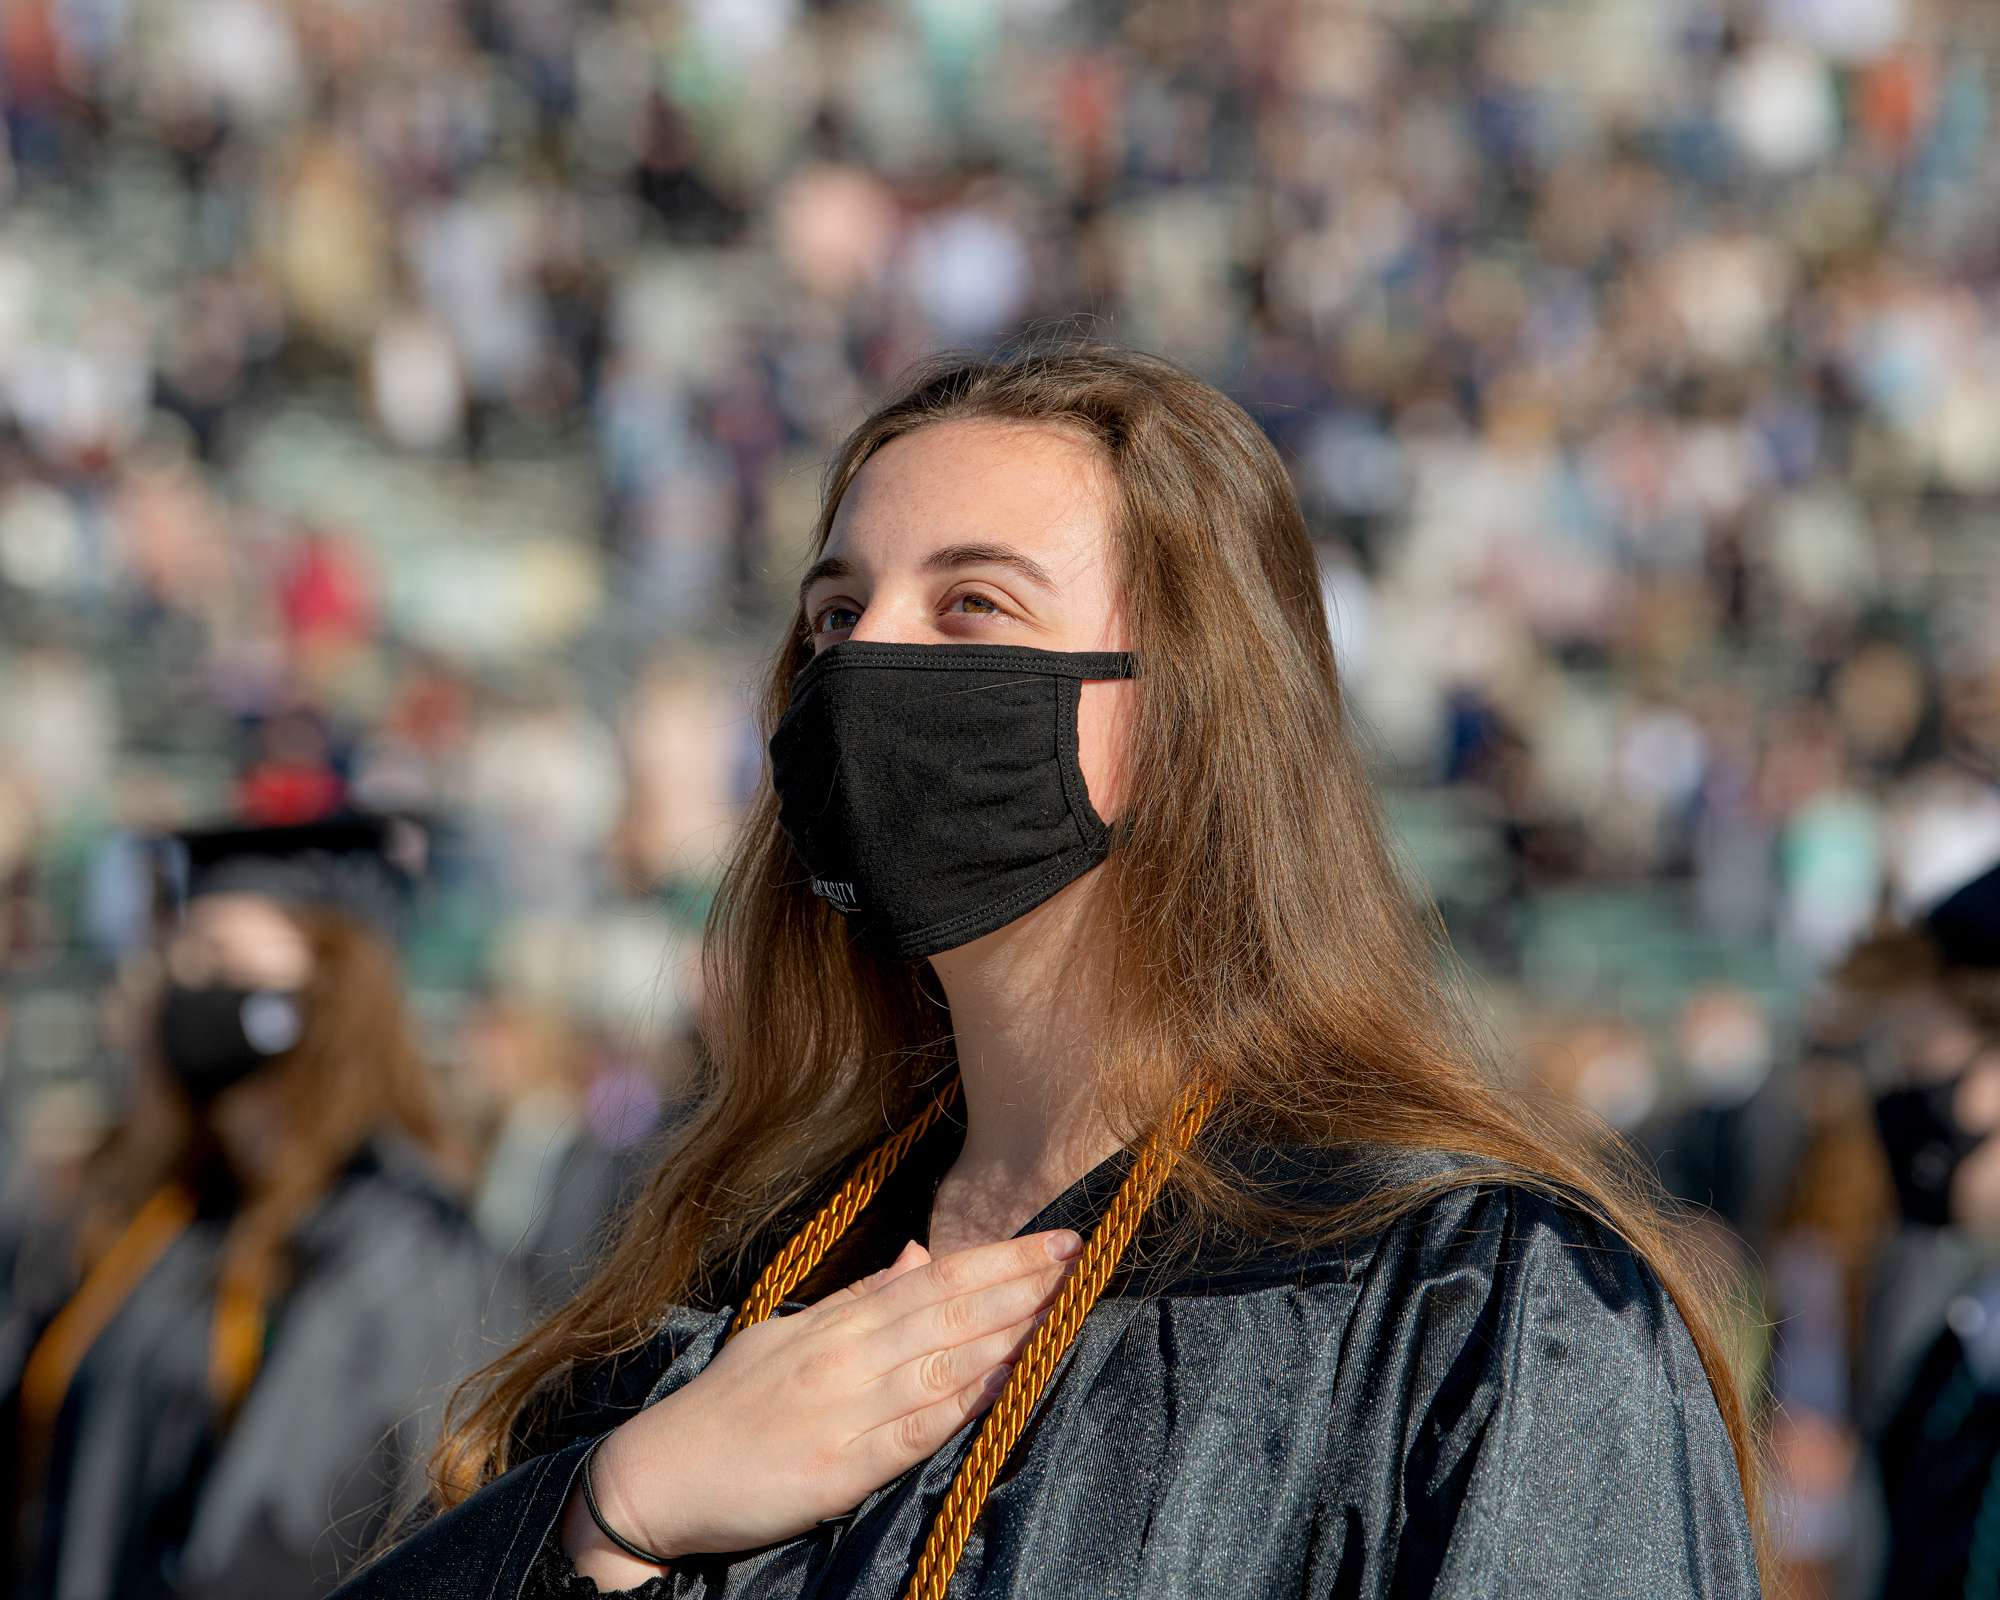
1027, 1014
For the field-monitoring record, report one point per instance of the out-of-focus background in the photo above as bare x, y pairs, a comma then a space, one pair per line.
419, 403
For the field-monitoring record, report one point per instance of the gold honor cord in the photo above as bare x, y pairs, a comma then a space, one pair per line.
802, 1252
236, 1337
1002, 1426
236, 1342
106, 1287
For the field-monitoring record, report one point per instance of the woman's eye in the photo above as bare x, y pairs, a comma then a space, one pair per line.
982, 605
821, 618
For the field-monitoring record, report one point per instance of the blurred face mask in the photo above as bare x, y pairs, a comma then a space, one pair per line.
212, 1036
933, 791
1925, 1146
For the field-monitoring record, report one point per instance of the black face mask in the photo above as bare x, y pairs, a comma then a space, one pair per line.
218, 1034
1925, 1146
933, 790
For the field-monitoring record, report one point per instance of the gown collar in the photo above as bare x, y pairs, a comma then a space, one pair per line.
901, 1211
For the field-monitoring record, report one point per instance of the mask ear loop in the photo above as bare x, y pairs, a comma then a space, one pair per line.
1069, 747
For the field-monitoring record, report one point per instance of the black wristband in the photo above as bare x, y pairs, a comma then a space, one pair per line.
605, 1528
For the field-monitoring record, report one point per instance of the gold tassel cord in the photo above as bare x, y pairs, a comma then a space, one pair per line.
236, 1335
236, 1343
1000, 1430
805, 1249
107, 1286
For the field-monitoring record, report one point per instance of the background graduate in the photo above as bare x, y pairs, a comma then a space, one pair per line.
269, 1284
1927, 1379
1101, 1188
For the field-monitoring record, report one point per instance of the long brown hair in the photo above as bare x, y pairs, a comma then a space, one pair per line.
1262, 932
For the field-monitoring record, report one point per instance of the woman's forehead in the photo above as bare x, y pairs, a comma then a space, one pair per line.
1038, 489
234, 921
234, 908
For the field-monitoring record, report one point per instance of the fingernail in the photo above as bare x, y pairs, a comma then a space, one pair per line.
996, 1380
1063, 1244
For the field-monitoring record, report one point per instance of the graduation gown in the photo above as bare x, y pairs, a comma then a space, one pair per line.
1937, 1458
1491, 1397
392, 1296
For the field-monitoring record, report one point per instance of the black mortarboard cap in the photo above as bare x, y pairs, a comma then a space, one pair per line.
1965, 924
367, 864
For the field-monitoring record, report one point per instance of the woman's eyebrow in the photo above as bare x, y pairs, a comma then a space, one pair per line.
825, 567
944, 559
947, 557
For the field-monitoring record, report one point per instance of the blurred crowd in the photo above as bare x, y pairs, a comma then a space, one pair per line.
421, 403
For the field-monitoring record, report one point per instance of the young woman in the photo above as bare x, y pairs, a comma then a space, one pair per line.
269, 1276
1099, 1191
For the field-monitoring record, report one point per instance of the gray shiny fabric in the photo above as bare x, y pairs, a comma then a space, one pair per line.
1492, 1397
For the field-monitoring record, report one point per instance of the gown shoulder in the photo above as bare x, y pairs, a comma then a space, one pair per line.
1512, 1393
1547, 1409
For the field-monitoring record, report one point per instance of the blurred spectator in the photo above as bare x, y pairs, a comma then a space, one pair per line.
222, 1361
1730, 1144
563, 1145
1908, 1380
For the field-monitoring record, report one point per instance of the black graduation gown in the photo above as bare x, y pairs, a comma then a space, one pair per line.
1491, 1397
1937, 1459
393, 1296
